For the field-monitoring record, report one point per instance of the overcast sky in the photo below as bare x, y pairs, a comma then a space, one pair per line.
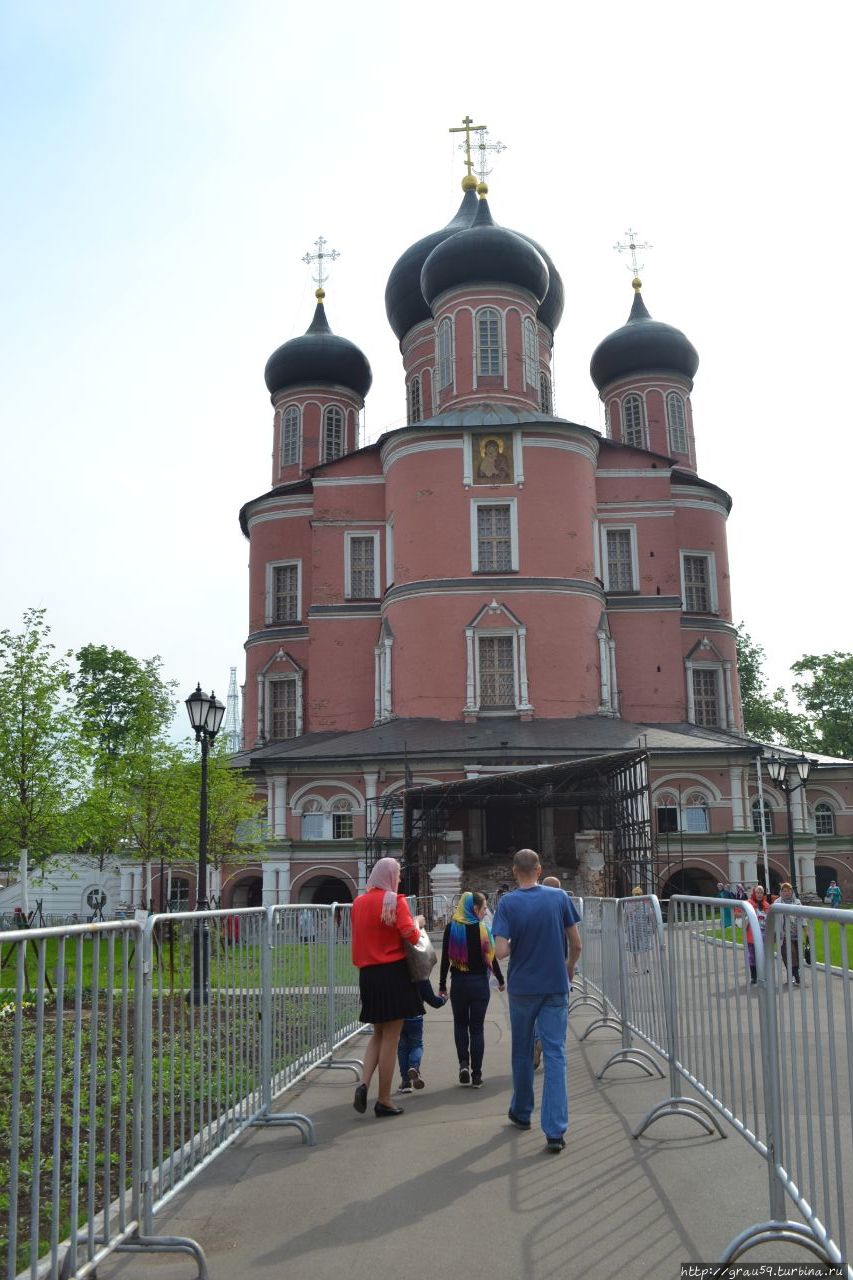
166, 165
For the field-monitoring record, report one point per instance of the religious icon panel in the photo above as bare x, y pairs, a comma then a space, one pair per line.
492, 459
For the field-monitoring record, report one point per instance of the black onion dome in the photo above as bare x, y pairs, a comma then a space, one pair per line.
404, 303
551, 307
642, 345
484, 253
318, 356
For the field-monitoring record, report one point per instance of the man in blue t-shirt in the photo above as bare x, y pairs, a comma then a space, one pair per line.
532, 927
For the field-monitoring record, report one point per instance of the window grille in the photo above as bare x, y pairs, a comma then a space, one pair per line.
706, 706
415, 407
342, 826
546, 404
333, 433
282, 709
531, 354
494, 539
488, 343
285, 593
633, 422
362, 568
290, 436
445, 354
676, 422
697, 593
824, 820
620, 566
756, 817
497, 671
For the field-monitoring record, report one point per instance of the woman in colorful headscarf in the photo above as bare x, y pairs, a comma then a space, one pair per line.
381, 920
468, 951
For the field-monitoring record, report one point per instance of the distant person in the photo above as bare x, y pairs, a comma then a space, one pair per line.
723, 891
790, 932
410, 1047
381, 921
306, 925
468, 954
532, 927
639, 929
832, 897
761, 904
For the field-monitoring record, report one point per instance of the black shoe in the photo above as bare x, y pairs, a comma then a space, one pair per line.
519, 1124
464, 1075
555, 1144
379, 1110
476, 1080
360, 1099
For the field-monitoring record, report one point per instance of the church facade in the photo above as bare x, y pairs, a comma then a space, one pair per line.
494, 586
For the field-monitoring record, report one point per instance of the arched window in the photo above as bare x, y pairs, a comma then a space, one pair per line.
546, 404
675, 420
666, 811
333, 433
342, 821
415, 407
634, 422
824, 819
696, 818
756, 817
445, 354
488, 332
290, 436
531, 354
313, 819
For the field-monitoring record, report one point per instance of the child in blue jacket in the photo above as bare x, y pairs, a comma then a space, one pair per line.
410, 1048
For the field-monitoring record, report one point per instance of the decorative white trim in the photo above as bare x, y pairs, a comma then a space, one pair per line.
389, 552
281, 411
306, 792
394, 452
268, 600
377, 582
278, 515
711, 559
510, 502
327, 482
587, 451
630, 529
518, 633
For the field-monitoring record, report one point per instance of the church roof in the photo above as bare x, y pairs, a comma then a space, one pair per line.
319, 356
642, 345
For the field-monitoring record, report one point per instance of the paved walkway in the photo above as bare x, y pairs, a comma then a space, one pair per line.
451, 1190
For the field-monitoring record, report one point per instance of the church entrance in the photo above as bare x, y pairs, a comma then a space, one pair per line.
698, 884
324, 889
248, 893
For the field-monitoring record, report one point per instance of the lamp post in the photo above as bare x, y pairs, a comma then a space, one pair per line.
205, 712
777, 768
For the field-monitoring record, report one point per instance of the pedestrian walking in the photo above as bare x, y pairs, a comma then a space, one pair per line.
468, 954
532, 926
410, 1048
790, 932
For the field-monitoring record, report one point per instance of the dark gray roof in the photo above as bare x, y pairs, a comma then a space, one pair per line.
509, 740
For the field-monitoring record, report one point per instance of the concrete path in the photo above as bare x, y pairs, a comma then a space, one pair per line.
451, 1191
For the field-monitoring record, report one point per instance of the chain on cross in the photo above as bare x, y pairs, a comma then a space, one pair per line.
632, 247
468, 127
322, 256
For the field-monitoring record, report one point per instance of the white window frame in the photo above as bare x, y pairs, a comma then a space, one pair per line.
521, 701
330, 409
825, 808
377, 582
716, 667
445, 362
283, 564
382, 678
479, 372
666, 800
681, 428
711, 559
296, 409
605, 557
530, 349
644, 421
269, 681
389, 551
513, 533
704, 808
755, 815
322, 815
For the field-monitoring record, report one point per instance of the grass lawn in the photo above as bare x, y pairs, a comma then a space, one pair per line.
822, 933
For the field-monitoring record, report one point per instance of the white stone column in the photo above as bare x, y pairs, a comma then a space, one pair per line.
730, 706
386, 677
260, 733
522, 670
736, 787
377, 682
799, 809
691, 706
270, 885
362, 874
279, 807
371, 781
604, 671
614, 683
470, 696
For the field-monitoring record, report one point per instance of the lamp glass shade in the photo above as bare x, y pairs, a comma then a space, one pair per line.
776, 768
804, 766
215, 712
198, 708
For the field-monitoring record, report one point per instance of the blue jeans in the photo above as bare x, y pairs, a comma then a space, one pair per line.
548, 1018
410, 1046
469, 1000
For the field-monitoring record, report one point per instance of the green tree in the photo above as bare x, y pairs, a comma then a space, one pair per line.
42, 760
826, 692
766, 714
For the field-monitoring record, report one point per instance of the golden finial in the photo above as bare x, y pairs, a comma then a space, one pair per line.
319, 294
482, 190
467, 126
631, 247
469, 182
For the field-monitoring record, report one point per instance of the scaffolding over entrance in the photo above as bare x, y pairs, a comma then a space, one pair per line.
599, 802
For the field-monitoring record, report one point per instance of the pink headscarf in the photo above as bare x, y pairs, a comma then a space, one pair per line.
386, 875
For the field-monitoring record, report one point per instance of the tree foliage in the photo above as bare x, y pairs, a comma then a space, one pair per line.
766, 714
42, 762
826, 691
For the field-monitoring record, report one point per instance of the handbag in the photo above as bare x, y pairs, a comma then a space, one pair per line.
420, 957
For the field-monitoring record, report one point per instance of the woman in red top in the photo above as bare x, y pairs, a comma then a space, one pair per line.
380, 921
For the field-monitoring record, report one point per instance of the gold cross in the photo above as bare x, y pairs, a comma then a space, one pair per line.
320, 257
467, 127
632, 247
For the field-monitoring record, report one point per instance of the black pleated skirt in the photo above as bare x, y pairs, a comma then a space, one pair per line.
388, 993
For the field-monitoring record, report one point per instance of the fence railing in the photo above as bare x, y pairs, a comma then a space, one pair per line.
724, 999
131, 1055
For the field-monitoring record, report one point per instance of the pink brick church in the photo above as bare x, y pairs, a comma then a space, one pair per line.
493, 587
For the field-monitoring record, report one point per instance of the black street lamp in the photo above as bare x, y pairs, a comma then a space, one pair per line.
777, 768
205, 712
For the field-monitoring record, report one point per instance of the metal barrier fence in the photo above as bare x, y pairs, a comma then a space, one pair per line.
765, 1047
132, 1055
